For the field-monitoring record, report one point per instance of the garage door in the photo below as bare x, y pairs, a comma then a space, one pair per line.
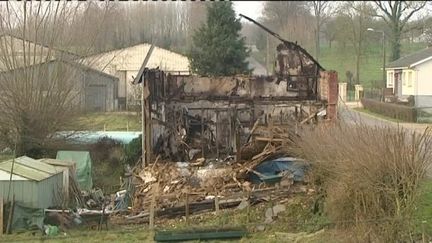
96, 98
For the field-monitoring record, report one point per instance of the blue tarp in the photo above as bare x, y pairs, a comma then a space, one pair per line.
276, 166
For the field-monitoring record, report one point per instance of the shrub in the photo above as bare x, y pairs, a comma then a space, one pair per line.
370, 176
401, 112
133, 151
107, 150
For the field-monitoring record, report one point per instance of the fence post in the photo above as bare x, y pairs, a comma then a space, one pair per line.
358, 88
343, 92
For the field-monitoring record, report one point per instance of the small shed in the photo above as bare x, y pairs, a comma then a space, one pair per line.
69, 173
35, 184
83, 163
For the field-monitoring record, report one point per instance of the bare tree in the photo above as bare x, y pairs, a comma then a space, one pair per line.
39, 95
321, 13
291, 19
357, 16
330, 31
396, 15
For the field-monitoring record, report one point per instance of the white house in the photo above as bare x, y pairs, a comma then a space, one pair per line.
125, 64
412, 75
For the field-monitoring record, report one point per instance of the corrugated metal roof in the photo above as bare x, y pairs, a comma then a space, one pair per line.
24, 171
131, 58
29, 168
5, 176
37, 165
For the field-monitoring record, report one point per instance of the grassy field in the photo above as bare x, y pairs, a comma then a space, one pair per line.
110, 121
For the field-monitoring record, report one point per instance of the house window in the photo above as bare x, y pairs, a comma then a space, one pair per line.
410, 79
404, 78
390, 79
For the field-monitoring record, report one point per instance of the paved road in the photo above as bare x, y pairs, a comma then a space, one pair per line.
355, 117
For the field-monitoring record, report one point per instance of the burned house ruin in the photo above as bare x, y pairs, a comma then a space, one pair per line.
213, 117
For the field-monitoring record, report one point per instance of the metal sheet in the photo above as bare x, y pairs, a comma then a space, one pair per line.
24, 171
37, 165
5, 176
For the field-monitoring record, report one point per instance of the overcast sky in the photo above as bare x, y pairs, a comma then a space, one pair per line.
251, 9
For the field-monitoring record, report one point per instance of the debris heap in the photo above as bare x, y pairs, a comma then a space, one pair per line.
174, 184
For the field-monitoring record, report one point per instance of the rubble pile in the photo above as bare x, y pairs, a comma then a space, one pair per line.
171, 184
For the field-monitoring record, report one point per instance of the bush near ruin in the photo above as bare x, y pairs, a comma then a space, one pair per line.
370, 176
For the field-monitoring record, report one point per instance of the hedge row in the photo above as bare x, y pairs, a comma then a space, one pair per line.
400, 112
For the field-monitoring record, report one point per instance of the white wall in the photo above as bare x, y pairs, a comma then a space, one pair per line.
409, 78
424, 88
424, 78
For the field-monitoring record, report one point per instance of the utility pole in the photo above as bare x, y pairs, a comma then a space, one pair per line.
143, 122
384, 60
145, 108
267, 56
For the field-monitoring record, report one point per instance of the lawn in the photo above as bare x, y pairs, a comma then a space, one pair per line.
109, 121
424, 210
130, 234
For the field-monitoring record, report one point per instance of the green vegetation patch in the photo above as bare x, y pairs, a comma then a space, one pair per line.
110, 121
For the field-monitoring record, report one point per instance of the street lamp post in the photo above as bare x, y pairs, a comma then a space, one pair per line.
384, 57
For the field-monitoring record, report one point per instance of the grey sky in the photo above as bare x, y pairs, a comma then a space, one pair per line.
251, 9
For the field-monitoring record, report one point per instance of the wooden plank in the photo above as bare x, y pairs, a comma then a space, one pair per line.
153, 205
269, 139
11, 211
202, 133
187, 207
211, 234
308, 118
217, 204
217, 134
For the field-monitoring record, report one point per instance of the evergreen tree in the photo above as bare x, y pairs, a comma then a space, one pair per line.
218, 49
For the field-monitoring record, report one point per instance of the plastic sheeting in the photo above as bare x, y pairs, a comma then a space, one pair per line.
83, 167
25, 218
274, 167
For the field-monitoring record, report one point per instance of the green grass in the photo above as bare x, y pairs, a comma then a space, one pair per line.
424, 211
131, 234
377, 115
110, 121
298, 217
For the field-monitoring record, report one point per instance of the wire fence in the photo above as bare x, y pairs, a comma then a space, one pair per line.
372, 93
